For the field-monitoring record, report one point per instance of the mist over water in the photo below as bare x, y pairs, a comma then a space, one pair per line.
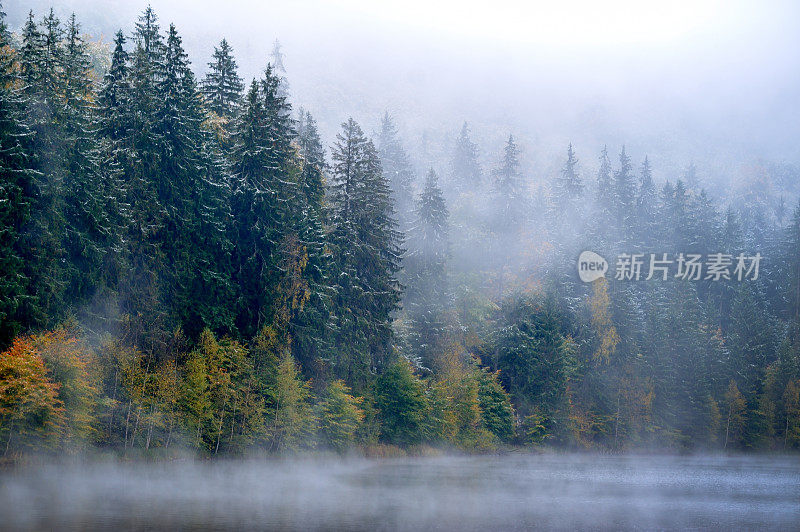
512, 492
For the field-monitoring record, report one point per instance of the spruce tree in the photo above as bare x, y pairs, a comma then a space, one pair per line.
17, 176
41, 67
367, 253
111, 129
222, 86
191, 185
279, 69
428, 296
30, 53
397, 169
90, 237
115, 94
51, 81
605, 193
308, 327
466, 171
265, 194
142, 289
568, 186
624, 189
510, 189
647, 224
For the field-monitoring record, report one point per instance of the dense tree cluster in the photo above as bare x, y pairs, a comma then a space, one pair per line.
182, 266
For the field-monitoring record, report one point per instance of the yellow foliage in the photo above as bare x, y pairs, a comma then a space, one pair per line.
601, 321
73, 367
31, 414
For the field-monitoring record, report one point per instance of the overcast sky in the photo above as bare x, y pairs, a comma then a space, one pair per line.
705, 81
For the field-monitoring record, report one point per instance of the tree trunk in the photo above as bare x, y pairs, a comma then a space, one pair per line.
728, 425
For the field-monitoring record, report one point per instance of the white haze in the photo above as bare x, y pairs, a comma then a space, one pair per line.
514, 492
710, 82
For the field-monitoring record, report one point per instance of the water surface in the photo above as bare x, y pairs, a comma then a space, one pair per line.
512, 492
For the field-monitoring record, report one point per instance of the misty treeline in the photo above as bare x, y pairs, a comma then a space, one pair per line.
184, 266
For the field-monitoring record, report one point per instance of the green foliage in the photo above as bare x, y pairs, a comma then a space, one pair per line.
17, 176
535, 361
234, 411
290, 417
366, 258
217, 263
340, 416
735, 420
400, 400
428, 296
497, 413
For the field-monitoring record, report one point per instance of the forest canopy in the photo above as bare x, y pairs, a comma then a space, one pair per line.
187, 264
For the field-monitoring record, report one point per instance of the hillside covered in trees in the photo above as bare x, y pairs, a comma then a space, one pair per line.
186, 264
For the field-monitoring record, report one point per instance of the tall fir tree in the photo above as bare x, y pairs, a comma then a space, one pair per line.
265, 193
222, 86
17, 177
279, 69
397, 169
647, 224
510, 189
41, 64
193, 188
605, 193
568, 186
367, 254
624, 190
90, 235
428, 295
308, 327
466, 172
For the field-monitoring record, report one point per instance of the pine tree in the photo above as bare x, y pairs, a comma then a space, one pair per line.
222, 86
366, 258
464, 166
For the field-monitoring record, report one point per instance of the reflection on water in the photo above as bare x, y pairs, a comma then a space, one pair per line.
500, 492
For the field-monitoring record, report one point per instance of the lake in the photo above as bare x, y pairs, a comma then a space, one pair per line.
508, 492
